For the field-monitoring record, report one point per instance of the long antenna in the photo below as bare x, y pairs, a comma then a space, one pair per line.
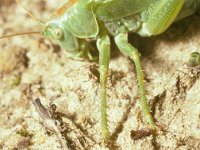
24, 33
19, 34
28, 12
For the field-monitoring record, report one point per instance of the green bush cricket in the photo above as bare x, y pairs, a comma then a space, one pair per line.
78, 20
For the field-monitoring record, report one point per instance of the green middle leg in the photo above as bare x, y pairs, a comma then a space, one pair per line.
103, 45
126, 48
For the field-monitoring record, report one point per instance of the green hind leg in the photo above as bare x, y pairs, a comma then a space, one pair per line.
126, 48
103, 45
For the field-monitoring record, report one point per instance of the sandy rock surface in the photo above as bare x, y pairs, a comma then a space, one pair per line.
33, 67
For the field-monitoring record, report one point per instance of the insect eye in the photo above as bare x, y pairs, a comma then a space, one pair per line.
58, 34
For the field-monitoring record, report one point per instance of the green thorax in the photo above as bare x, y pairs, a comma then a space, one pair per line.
80, 20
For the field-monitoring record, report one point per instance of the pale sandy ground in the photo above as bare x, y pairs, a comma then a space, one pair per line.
32, 67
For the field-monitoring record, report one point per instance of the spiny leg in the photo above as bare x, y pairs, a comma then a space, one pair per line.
103, 45
126, 48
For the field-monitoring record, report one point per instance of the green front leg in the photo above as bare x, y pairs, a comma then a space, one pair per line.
126, 48
103, 45
83, 52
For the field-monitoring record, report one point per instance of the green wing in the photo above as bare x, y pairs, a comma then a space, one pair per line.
109, 10
80, 20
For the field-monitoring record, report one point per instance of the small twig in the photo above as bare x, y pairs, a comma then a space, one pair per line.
139, 134
49, 122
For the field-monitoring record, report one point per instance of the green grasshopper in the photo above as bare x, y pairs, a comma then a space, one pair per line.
78, 20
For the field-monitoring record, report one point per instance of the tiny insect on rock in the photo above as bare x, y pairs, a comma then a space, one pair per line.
78, 20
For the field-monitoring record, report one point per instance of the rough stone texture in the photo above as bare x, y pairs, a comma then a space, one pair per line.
32, 67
